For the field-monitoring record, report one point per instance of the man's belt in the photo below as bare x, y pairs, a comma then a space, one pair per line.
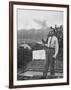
51, 48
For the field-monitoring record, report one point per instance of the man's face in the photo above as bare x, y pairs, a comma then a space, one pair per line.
51, 33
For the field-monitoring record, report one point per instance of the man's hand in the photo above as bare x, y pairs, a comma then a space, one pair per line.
54, 56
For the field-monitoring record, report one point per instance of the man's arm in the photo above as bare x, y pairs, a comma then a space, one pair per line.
56, 47
44, 41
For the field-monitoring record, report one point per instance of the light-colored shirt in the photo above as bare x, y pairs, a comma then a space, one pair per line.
53, 43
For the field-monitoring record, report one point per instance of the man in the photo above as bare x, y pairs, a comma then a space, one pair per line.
51, 54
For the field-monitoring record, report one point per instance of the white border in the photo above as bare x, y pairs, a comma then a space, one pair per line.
27, 82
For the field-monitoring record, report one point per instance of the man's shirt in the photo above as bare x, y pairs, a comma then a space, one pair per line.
53, 43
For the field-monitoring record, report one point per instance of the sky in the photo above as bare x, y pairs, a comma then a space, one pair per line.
26, 18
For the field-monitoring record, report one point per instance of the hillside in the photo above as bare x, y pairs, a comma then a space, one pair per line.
32, 34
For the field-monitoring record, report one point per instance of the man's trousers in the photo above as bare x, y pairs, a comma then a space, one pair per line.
50, 62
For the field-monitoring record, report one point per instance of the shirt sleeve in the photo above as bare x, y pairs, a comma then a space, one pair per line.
56, 47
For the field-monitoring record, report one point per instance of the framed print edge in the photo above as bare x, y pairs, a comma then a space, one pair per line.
10, 45
11, 31
68, 44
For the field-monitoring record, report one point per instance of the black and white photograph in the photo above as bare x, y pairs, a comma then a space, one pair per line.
39, 44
